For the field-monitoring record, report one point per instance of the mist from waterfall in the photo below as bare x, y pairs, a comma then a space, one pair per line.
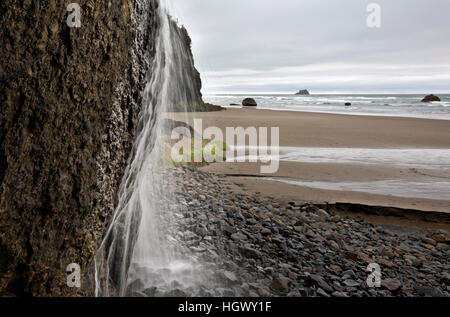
139, 256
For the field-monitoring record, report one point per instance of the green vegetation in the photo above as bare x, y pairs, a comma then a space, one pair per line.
211, 151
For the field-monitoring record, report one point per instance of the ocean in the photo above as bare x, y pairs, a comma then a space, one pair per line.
376, 105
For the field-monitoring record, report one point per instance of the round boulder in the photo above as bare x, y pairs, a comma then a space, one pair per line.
431, 98
249, 102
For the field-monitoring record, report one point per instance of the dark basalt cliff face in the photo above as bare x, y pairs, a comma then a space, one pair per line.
69, 101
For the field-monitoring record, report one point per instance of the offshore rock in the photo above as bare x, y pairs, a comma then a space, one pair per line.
303, 92
431, 98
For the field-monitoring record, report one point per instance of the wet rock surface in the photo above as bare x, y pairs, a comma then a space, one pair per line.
70, 98
66, 127
256, 246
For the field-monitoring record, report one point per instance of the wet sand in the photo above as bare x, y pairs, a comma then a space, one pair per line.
305, 129
301, 129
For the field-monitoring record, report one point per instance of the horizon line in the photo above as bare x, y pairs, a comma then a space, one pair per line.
322, 93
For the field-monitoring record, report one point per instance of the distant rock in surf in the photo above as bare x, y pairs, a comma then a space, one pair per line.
348, 104
303, 92
431, 98
249, 102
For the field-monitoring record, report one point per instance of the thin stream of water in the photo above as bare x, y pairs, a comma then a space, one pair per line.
137, 256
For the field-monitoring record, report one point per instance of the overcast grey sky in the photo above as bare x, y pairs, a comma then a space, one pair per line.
322, 45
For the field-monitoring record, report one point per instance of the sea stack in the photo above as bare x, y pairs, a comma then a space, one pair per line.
431, 98
303, 92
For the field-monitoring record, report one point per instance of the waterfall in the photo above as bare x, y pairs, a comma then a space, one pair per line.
138, 256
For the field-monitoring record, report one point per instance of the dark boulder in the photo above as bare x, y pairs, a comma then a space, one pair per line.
431, 98
348, 104
249, 102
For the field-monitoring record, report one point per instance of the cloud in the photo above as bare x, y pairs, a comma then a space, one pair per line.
285, 45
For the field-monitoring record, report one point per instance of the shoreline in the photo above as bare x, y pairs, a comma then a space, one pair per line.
352, 132
343, 114
314, 129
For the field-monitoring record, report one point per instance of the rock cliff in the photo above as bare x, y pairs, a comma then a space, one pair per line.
69, 100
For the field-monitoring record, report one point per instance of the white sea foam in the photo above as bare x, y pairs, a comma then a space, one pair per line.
378, 105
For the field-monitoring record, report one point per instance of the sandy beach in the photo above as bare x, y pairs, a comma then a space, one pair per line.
343, 132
